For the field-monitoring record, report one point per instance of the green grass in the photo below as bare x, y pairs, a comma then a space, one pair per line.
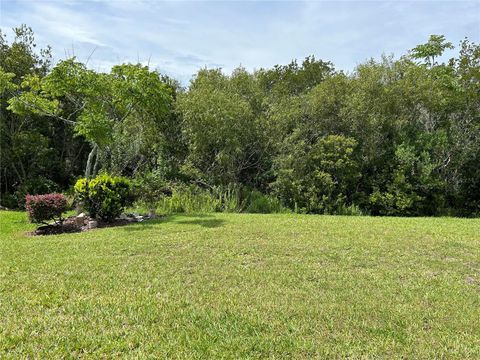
243, 286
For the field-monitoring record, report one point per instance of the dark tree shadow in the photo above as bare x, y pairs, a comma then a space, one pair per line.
182, 216
143, 225
207, 221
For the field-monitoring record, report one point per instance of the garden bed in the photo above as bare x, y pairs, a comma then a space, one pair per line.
82, 222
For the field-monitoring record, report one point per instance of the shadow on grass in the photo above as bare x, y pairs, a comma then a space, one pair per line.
206, 221
143, 225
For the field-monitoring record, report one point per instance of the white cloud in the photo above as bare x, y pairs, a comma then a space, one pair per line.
181, 37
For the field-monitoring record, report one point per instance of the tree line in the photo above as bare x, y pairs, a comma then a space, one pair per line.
397, 136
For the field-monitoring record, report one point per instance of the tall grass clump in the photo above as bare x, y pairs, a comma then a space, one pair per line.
233, 198
193, 199
258, 202
350, 210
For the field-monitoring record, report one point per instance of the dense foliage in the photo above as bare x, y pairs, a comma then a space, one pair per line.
104, 196
43, 208
394, 137
150, 187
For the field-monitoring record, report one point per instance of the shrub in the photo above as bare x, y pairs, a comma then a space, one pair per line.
103, 197
9, 201
43, 208
316, 177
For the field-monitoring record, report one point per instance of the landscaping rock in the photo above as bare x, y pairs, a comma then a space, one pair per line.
92, 224
80, 220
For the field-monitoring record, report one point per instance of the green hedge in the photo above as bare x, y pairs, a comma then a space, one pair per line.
103, 197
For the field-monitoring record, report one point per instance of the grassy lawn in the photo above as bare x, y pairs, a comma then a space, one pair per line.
243, 286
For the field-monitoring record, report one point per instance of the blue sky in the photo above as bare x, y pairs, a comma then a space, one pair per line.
180, 37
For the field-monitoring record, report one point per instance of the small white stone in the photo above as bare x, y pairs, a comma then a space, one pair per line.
92, 224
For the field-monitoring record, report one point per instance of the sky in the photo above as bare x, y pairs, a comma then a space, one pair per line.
180, 37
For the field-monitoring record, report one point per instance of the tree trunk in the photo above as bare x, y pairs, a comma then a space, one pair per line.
96, 163
88, 169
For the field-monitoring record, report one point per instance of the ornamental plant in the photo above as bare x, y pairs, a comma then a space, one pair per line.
103, 197
47, 207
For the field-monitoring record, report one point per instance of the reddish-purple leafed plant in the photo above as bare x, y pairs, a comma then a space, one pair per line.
43, 208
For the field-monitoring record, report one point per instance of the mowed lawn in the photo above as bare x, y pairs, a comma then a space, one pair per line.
243, 286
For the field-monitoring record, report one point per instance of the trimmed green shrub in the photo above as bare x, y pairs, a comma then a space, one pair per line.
43, 208
103, 197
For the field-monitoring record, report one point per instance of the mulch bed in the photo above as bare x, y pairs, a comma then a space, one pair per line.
72, 224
